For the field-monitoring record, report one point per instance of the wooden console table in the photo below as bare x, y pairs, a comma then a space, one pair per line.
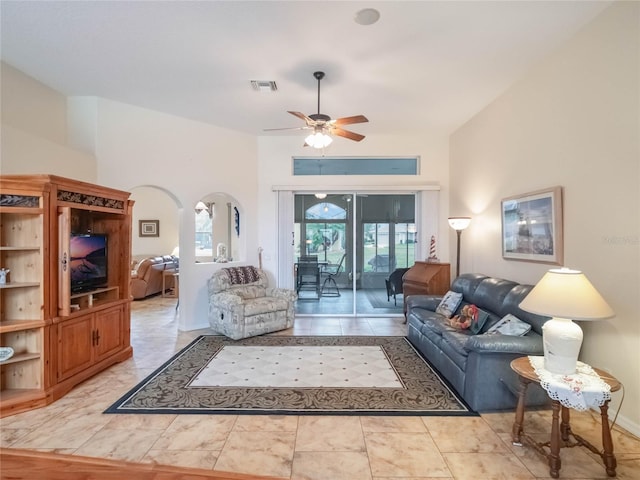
426, 278
561, 433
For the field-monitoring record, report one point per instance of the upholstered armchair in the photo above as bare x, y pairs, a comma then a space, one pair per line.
241, 304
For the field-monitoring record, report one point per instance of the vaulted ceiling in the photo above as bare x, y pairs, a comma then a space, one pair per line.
424, 65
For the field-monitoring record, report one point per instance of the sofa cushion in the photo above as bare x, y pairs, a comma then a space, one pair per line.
453, 346
247, 292
511, 305
467, 284
491, 293
257, 306
220, 282
430, 321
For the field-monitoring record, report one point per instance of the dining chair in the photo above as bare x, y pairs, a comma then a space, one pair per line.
308, 277
330, 272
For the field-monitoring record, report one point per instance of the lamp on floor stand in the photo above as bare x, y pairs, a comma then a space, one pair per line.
459, 224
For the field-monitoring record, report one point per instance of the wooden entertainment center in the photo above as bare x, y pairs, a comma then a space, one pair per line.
59, 337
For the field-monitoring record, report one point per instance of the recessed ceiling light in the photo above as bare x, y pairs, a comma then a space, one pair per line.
367, 16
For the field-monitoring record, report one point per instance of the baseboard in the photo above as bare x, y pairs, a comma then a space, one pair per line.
628, 425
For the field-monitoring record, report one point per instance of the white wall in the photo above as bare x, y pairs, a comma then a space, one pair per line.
189, 160
154, 204
34, 130
572, 121
276, 169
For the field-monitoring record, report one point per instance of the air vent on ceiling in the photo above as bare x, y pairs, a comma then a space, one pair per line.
264, 86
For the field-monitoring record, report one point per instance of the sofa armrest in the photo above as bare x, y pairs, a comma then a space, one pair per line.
528, 345
289, 295
428, 302
227, 300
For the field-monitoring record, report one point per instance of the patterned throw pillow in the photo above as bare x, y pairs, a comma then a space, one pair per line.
471, 318
478, 321
449, 304
242, 275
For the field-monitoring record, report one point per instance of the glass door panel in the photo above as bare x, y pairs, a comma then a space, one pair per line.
358, 241
387, 237
321, 233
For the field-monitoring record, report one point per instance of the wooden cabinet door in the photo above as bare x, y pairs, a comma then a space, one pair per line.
108, 332
75, 349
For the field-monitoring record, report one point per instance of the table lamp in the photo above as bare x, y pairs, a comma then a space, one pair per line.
564, 295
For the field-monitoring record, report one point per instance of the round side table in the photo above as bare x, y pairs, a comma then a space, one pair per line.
561, 433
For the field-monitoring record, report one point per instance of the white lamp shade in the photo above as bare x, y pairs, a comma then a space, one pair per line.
459, 223
566, 293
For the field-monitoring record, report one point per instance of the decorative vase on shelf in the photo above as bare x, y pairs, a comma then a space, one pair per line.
3, 275
5, 353
221, 253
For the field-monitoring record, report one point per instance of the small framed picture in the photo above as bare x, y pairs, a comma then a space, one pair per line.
149, 228
532, 227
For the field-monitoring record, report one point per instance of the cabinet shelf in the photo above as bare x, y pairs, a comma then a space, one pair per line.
21, 357
7, 326
19, 395
94, 298
8, 286
9, 248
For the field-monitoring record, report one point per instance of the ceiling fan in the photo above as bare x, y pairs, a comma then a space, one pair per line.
323, 126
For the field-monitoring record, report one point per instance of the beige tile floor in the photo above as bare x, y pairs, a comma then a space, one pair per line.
299, 448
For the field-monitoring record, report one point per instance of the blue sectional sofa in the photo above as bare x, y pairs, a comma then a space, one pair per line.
478, 366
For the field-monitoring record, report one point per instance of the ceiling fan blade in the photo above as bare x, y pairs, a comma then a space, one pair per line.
302, 116
350, 120
346, 134
286, 128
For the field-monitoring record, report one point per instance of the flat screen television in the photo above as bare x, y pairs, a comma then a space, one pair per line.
88, 261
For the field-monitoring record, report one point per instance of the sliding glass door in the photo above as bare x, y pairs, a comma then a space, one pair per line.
357, 240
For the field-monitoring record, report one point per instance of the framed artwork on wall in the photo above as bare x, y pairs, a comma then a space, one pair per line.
532, 226
149, 228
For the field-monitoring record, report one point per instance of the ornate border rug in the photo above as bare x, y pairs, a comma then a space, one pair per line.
201, 379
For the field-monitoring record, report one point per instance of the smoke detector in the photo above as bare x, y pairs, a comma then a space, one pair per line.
264, 86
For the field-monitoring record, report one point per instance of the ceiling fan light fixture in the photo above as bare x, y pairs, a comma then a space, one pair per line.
318, 140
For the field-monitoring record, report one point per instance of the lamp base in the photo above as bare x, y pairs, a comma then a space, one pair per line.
562, 340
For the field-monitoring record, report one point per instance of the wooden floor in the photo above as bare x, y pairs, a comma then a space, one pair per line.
31, 465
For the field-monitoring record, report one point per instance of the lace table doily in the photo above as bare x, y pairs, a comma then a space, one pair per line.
580, 391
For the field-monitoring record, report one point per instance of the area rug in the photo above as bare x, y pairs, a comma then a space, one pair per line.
295, 375
378, 299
